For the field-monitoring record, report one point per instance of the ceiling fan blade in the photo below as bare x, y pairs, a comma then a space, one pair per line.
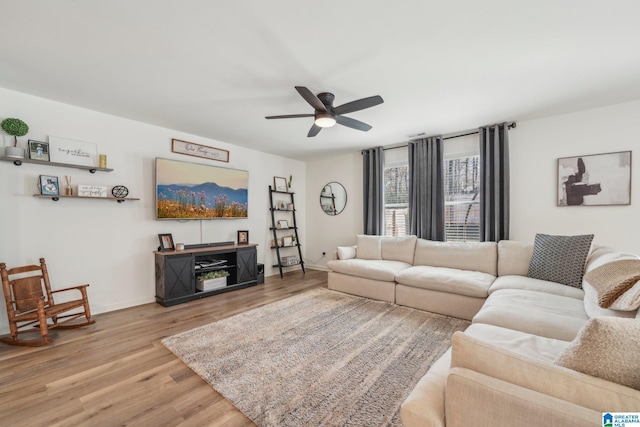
359, 104
311, 98
289, 116
314, 130
352, 123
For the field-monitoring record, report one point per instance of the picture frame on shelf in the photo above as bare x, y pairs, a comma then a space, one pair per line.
287, 241
166, 242
243, 237
280, 184
49, 185
38, 150
283, 224
73, 151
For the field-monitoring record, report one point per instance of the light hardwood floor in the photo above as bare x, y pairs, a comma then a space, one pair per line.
117, 373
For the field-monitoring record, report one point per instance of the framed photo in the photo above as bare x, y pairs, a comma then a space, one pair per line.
280, 184
49, 185
166, 242
198, 150
287, 241
595, 180
38, 150
283, 223
243, 237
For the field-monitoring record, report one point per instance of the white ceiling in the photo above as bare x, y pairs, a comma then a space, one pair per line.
216, 68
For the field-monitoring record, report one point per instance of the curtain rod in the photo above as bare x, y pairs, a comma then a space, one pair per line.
511, 125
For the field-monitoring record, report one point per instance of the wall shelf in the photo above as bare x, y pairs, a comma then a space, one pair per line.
19, 161
56, 197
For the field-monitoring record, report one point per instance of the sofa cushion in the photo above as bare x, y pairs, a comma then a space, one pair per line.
481, 257
514, 257
451, 280
611, 280
346, 252
370, 269
399, 248
530, 284
606, 347
538, 313
543, 376
560, 258
368, 247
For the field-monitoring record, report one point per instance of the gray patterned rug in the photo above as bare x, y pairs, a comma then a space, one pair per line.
320, 358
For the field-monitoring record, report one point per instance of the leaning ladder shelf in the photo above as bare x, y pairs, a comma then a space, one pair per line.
290, 214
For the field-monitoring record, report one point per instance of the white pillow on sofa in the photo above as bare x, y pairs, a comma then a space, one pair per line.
368, 247
346, 252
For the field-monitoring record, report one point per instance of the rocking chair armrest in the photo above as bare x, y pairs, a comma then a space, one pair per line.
79, 288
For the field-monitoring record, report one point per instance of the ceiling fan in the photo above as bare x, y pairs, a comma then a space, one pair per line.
326, 115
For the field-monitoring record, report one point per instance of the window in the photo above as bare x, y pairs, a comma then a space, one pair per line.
462, 199
396, 192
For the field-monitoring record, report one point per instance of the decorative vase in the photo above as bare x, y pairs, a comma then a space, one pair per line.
17, 152
68, 191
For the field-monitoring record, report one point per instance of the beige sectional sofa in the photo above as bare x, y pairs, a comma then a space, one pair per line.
507, 368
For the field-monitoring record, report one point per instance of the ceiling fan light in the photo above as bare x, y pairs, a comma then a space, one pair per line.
325, 120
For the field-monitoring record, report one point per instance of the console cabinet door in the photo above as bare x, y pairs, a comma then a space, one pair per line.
174, 277
247, 265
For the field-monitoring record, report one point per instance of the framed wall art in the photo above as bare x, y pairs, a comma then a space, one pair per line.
198, 150
595, 180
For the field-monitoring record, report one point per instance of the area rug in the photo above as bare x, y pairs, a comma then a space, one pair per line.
320, 358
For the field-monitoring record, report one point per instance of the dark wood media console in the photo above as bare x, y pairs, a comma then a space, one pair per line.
177, 271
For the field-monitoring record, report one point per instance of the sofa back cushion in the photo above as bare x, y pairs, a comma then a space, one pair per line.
399, 248
368, 247
514, 257
481, 256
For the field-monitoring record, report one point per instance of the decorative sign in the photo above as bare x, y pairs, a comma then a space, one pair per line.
72, 151
92, 190
197, 150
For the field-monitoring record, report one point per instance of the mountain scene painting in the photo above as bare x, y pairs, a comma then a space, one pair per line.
194, 191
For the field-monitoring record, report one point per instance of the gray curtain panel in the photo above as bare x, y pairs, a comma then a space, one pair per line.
426, 189
494, 183
373, 168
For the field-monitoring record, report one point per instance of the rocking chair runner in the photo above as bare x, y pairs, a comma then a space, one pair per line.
29, 300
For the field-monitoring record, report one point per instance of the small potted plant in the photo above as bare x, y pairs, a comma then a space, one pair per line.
15, 128
212, 280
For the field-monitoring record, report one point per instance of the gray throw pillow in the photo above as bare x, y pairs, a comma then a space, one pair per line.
560, 258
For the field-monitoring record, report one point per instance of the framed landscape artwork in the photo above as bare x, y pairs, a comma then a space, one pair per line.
595, 179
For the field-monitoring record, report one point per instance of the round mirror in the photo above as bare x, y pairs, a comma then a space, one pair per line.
333, 198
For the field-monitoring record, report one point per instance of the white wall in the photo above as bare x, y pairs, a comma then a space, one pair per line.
535, 146
107, 244
325, 232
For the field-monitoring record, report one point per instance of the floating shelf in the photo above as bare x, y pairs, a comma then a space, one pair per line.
56, 197
19, 161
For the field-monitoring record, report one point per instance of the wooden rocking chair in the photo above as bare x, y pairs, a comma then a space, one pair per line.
29, 300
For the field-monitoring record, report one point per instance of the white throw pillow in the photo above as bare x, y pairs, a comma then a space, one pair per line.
606, 347
368, 247
346, 252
